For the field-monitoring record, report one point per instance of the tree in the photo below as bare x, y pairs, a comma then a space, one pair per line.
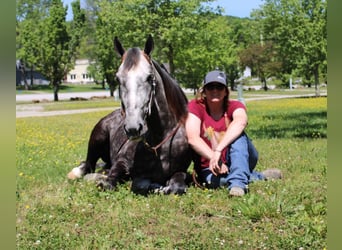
76, 30
243, 33
28, 16
190, 38
171, 23
233, 73
314, 51
43, 39
263, 59
54, 59
209, 48
298, 30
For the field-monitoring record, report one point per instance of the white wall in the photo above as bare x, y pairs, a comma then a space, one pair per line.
80, 74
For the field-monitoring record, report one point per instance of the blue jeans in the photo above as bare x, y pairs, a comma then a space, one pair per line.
241, 159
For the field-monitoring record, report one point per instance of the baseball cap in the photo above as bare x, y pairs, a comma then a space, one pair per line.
215, 76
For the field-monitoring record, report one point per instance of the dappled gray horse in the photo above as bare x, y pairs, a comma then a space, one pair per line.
145, 140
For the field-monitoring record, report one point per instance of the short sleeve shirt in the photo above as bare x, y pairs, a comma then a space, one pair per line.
212, 131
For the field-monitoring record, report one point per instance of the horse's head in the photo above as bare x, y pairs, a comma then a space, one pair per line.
137, 86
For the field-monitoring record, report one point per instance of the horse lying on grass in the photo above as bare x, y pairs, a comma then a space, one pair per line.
144, 141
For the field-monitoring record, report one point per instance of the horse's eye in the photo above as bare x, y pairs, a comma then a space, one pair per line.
149, 79
117, 79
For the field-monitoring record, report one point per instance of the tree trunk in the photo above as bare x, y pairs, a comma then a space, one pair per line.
316, 75
231, 82
31, 76
55, 91
23, 76
111, 82
111, 90
264, 83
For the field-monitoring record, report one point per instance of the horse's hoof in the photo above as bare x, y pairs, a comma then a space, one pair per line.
169, 190
75, 173
72, 176
104, 185
95, 177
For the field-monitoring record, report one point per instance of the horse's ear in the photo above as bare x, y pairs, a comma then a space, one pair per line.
118, 47
149, 45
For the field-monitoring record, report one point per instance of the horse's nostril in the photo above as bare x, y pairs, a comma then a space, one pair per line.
133, 132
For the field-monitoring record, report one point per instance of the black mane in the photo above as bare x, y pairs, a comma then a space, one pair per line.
174, 94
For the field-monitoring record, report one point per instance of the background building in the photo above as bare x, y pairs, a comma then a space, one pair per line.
80, 73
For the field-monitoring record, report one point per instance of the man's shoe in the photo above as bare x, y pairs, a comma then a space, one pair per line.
272, 174
236, 191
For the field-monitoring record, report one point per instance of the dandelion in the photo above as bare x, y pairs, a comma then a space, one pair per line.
27, 206
21, 174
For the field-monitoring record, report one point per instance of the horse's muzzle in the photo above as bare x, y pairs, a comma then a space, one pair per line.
134, 133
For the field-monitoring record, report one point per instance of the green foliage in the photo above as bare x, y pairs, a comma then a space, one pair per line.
76, 30
299, 29
44, 40
53, 213
192, 38
261, 57
53, 58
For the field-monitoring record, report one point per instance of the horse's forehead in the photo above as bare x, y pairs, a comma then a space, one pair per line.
140, 68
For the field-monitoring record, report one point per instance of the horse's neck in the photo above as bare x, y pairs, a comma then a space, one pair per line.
161, 119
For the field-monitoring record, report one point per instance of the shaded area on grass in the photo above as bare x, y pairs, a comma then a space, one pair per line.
291, 125
288, 118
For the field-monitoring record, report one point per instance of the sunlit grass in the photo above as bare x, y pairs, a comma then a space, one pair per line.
54, 213
288, 118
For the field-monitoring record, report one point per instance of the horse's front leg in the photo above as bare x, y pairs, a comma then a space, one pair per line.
176, 184
118, 173
144, 186
79, 171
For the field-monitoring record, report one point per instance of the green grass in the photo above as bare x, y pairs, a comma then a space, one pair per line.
64, 88
70, 88
109, 102
54, 213
67, 105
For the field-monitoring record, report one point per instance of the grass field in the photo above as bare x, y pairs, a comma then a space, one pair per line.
54, 213
73, 88
63, 88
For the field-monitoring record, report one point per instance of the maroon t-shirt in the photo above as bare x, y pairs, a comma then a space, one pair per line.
212, 131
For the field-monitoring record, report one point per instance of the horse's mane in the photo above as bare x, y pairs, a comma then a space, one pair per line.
175, 96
